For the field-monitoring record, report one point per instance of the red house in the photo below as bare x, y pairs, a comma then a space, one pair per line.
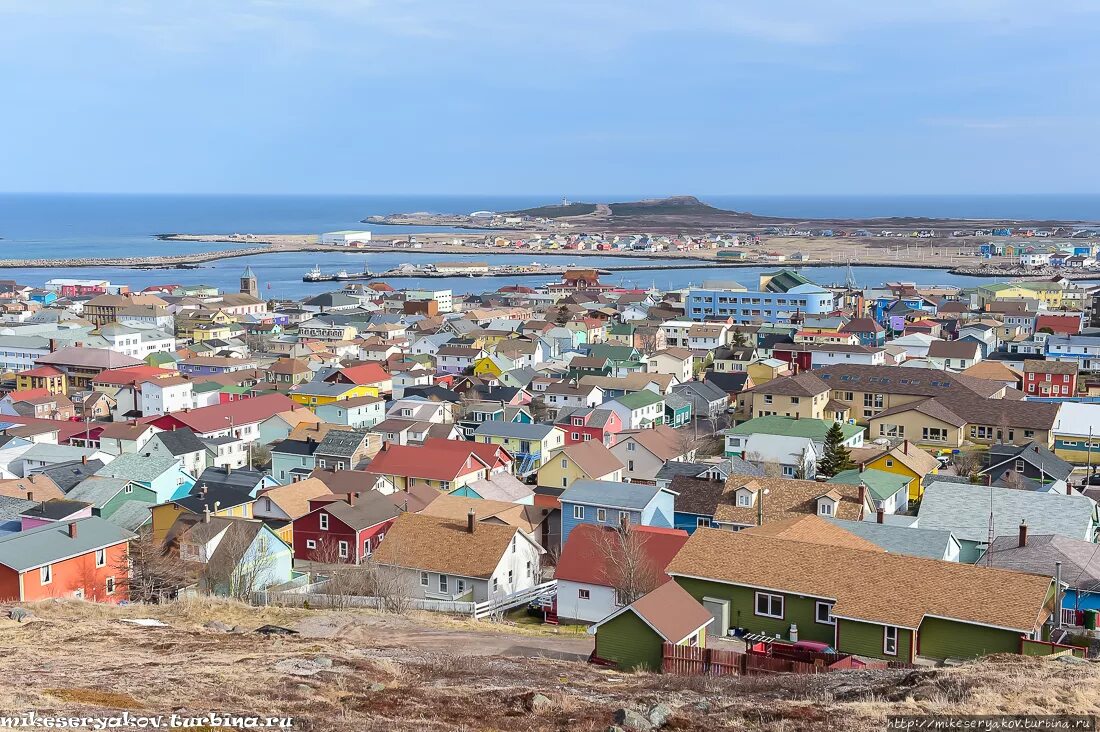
83, 557
794, 353
1050, 378
1058, 324
583, 424
343, 527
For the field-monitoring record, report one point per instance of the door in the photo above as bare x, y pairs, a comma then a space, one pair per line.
720, 611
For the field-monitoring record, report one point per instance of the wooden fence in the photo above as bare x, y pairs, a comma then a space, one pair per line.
693, 660
696, 661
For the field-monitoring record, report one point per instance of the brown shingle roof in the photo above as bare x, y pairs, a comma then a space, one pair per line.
671, 611
815, 531
593, 458
293, 499
786, 498
804, 384
443, 545
1050, 367
855, 580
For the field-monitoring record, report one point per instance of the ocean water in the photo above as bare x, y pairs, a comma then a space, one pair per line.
61, 226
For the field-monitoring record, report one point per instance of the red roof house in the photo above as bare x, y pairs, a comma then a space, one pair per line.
241, 414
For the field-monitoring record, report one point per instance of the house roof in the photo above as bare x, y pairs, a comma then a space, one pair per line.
953, 349
293, 498
41, 487
908, 540
369, 509
804, 384
814, 429
812, 529
919, 461
592, 457
457, 508
49, 543
1080, 560
501, 487
514, 430
964, 510
853, 578
993, 371
97, 491
68, 474
669, 610
428, 462
90, 358
180, 442
661, 440
881, 483
1035, 454
786, 498
610, 494
443, 545
586, 556
144, 467
217, 417
903, 380
341, 443
240, 478
1068, 368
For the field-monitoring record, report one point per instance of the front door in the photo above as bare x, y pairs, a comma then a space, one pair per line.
720, 611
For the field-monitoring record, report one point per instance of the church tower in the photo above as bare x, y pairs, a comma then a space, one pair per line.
249, 286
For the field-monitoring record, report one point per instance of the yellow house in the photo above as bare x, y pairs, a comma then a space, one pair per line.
204, 325
905, 459
766, 369
165, 515
530, 444
580, 461
43, 377
491, 365
315, 393
1049, 293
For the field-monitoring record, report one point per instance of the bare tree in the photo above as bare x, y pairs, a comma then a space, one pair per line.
628, 569
150, 573
771, 468
261, 456
966, 463
538, 408
347, 580
240, 565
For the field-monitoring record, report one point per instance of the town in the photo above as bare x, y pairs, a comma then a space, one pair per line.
719, 479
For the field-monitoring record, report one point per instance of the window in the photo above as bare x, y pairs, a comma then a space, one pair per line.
823, 613
578, 512
769, 605
100, 557
744, 499
630, 465
510, 576
423, 579
1019, 466
794, 400
528, 569
110, 585
575, 436
565, 461
45, 575
460, 586
442, 583
366, 548
623, 517
128, 489
890, 640
767, 398
788, 471
323, 518
587, 437
934, 434
496, 584
601, 514
343, 548
583, 594
702, 522
825, 508
311, 544
630, 447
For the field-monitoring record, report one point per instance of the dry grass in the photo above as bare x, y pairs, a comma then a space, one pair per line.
77, 658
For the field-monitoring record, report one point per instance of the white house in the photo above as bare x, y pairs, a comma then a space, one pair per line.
795, 457
345, 238
163, 396
674, 361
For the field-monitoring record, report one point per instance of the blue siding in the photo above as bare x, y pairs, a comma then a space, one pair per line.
568, 522
689, 522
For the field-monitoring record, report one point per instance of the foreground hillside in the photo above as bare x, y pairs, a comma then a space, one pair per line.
355, 670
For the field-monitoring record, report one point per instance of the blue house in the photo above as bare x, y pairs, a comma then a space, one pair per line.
163, 474
608, 503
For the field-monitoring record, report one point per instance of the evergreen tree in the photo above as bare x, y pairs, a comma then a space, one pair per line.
836, 458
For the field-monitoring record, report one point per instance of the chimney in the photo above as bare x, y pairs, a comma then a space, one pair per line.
905, 447
202, 491
862, 495
228, 470
471, 521
862, 467
30, 495
351, 498
83, 459
1023, 534
879, 515
72, 530
205, 514
1035, 448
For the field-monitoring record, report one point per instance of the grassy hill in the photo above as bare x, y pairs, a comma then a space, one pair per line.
554, 211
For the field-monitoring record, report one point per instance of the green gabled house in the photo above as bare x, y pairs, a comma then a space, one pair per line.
624, 359
809, 579
633, 636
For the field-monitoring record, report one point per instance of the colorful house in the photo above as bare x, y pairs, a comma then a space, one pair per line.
580, 461
343, 529
84, 558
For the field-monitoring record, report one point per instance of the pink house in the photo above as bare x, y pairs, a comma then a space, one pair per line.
53, 511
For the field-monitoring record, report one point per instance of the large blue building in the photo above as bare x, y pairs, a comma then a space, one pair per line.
781, 296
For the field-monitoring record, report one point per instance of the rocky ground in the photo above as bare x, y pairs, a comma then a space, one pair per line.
367, 671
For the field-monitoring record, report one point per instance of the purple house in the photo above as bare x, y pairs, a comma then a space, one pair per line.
52, 511
204, 365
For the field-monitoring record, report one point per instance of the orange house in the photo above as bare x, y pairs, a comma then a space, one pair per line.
84, 557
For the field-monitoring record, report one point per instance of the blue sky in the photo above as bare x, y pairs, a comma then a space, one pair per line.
494, 96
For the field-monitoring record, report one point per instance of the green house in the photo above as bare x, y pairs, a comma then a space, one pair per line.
108, 495
807, 579
633, 636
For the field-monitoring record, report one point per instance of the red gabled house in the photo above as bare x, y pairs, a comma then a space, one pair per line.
242, 416
1050, 379
584, 424
367, 374
1058, 324
343, 527
442, 464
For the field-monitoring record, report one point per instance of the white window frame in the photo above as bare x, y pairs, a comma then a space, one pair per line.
825, 508
100, 558
601, 514
323, 521
109, 585
771, 597
583, 594
829, 619
888, 637
578, 513
443, 585
343, 549
45, 574
424, 579
311, 544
